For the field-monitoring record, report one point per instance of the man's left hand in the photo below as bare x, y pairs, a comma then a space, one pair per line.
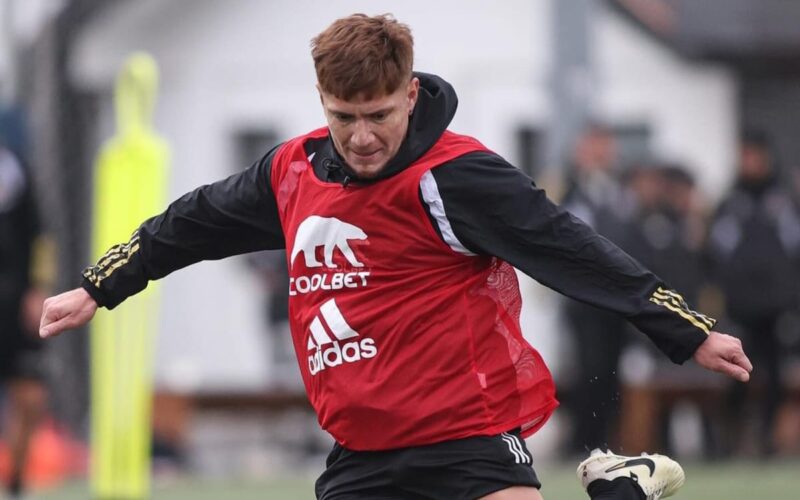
724, 354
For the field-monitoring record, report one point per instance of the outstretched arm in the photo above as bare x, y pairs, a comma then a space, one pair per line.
230, 217
495, 209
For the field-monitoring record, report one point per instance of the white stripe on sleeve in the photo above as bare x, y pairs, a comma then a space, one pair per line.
430, 193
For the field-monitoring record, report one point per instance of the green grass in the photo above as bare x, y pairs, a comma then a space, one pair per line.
736, 481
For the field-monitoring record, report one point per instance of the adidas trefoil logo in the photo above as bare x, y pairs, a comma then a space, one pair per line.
326, 352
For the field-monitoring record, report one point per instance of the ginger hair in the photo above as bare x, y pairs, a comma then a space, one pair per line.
364, 56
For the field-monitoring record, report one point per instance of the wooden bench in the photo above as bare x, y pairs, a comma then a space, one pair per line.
645, 405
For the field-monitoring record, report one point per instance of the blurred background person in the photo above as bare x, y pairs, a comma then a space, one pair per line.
272, 268
668, 227
594, 195
667, 235
754, 247
21, 360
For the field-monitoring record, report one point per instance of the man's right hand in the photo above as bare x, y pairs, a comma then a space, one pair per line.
69, 310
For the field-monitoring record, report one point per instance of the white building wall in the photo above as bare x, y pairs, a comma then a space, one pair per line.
691, 107
20, 23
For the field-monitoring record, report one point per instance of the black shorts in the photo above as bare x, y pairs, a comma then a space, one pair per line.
463, 469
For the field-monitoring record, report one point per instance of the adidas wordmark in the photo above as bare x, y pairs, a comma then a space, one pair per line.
326, 352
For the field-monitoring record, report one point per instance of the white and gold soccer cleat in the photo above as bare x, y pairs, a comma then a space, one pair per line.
657, 475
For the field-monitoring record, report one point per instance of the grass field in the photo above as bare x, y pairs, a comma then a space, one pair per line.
738, 481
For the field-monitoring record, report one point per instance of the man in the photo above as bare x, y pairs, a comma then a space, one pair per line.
595, 195
20, 307
754, 249
403, 306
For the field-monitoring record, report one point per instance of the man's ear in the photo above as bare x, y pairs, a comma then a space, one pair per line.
413, 93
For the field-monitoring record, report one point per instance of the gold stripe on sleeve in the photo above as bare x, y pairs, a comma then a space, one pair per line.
694, 321
116, 257
677, 301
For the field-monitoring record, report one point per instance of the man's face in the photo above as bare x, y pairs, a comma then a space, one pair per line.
755, 163
368, 132
596, 150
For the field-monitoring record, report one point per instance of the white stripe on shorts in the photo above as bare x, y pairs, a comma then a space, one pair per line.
516, 448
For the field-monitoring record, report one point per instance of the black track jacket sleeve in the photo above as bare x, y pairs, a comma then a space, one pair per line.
495, 209
230, 217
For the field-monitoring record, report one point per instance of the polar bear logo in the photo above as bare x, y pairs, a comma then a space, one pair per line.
329, 232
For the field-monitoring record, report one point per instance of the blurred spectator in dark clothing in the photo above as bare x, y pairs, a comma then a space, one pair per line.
681, 259
754, 249
670, 227
20, 307
644, 184
594, 195
593, 191
668, 237
274, 272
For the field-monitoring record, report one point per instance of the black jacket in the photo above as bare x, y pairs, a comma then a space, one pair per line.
754, 247
492, 207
